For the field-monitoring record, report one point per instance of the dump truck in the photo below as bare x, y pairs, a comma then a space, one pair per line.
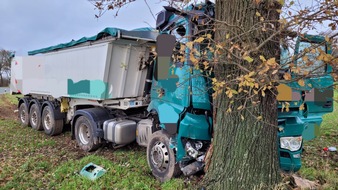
110, 88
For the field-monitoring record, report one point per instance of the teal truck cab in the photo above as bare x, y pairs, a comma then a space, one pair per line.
182, 100
308, 96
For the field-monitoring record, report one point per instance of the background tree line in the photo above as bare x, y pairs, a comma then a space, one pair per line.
5, 66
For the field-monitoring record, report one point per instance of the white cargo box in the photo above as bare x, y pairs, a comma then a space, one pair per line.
110, 69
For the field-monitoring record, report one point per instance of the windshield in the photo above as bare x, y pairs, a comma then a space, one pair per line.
309, 62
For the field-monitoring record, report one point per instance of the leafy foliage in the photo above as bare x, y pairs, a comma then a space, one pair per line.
5, 64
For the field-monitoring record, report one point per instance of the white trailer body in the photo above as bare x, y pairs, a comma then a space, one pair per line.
99, 85
111, 69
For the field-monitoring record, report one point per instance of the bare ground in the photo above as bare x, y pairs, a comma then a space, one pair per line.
7, 109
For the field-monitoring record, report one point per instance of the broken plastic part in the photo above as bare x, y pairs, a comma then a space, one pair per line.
92, 171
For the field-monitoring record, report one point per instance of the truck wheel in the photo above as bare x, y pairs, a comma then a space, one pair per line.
24, 115
50, 125
35, 118
161, 158
84, 135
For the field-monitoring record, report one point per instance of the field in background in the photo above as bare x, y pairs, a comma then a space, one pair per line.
31, 159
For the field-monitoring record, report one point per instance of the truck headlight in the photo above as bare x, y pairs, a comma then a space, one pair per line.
291, 143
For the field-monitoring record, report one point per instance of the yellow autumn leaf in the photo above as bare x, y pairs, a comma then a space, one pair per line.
229, 93
242, 117
262, 58
227, 36
274, 72
182, 48
240, 107
305, 58
283, 21
281, 2
193, 59
287, 106
199, 40
301, 82
287, 76
248, 59
258, 14
189, 44
263, 93
206, 64
259, 118
327, 39
219, 46
271, 61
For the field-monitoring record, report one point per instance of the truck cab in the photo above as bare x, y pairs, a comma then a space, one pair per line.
303, 100
181, 98
185, 109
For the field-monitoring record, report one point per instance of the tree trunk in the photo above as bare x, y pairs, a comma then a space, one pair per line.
244, 144
1, 79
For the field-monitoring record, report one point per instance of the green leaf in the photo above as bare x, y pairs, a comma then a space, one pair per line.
248, 59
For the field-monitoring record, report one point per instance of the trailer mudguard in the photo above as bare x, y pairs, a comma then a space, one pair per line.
35, 101
56, 111
23, 100
96, 116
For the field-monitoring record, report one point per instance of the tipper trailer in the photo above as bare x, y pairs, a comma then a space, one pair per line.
110, 89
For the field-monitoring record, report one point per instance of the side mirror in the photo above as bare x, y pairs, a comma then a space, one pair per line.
165, 44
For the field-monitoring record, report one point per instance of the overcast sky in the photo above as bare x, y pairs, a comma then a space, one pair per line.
27, 25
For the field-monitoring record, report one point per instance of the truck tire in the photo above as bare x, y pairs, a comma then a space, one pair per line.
24, 115
50, 125
35, 117
84, 135
161, 158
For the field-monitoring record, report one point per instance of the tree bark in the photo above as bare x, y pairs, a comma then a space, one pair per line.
1, 79
244, 152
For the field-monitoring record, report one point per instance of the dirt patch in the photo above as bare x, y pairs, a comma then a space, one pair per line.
7, 109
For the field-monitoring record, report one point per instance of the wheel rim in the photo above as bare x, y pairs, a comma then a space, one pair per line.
34, 118
160, 156
84, 134
23, 116
47, 121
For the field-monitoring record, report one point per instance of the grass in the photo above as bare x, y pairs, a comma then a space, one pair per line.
33, 160
319, 165
12, 99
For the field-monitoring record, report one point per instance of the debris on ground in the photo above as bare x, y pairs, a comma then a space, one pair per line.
92, 171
